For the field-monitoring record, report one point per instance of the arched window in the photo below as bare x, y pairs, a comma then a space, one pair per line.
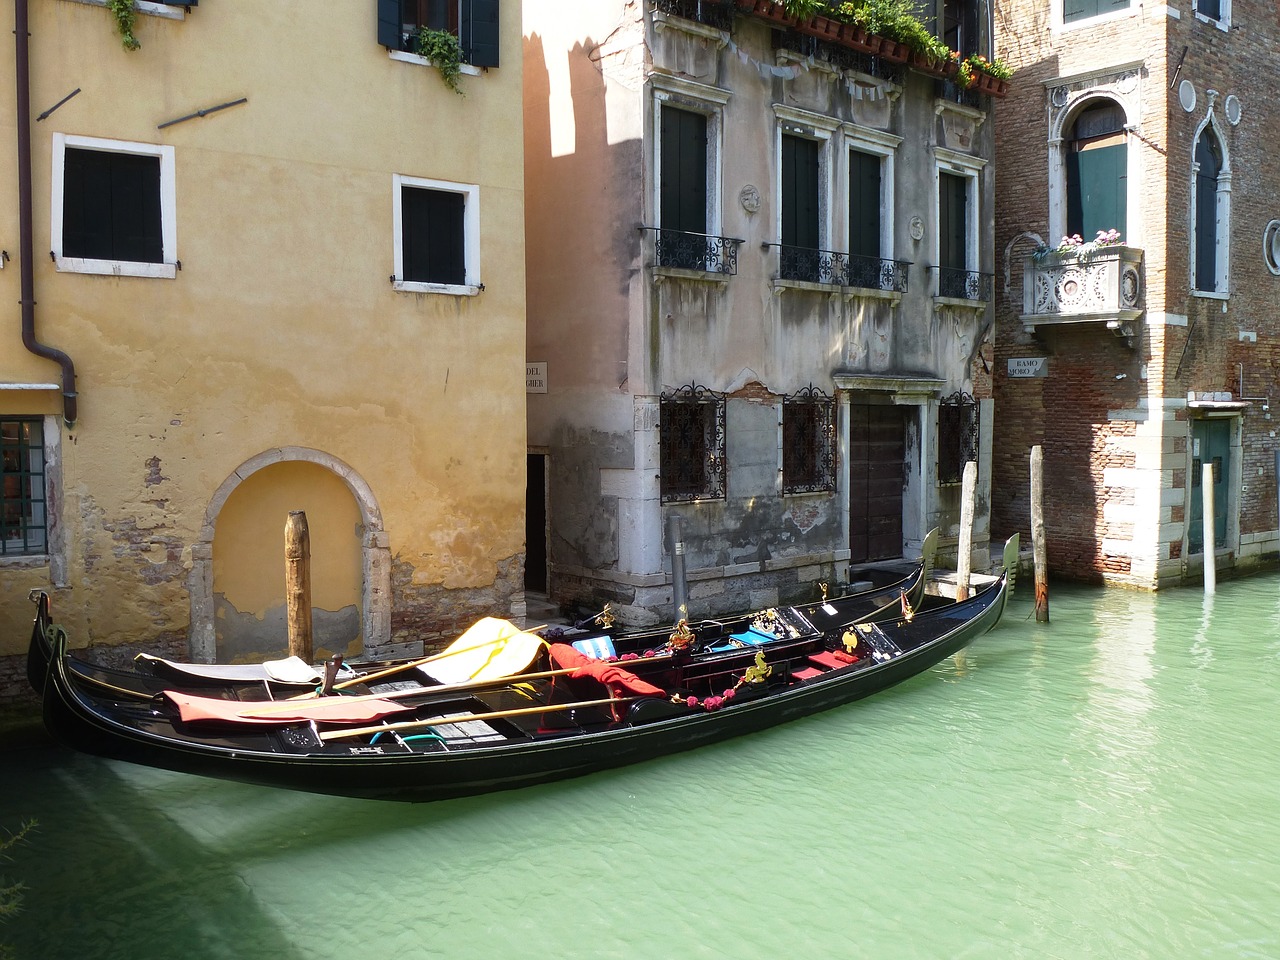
1210, 264
1097, 166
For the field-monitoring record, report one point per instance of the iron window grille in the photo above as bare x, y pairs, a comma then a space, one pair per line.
691, 444
808, 442
964, 284
713, 13
23, 518
957, 436
696, 251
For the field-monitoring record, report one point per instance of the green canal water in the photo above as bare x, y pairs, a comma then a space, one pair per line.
1101, 786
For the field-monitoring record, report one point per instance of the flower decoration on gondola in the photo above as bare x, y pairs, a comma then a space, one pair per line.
710, 704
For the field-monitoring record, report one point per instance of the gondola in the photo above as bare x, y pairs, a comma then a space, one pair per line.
406, 740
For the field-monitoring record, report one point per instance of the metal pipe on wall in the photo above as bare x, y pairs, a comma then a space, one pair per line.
26, 242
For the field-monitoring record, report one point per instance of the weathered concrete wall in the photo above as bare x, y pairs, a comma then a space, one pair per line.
281, 328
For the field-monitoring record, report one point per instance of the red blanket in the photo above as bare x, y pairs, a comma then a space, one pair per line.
323, 710
619, 682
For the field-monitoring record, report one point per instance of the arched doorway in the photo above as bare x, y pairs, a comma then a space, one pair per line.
236, 604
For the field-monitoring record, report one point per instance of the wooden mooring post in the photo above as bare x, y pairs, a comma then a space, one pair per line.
1039, 551
297, 584
1210, 538
964, 551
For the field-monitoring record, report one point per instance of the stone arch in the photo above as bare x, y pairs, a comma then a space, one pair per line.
1221, 201
374, 548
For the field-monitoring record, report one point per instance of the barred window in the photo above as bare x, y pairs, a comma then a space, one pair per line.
692, 444
808, 442
957, 436
23, 524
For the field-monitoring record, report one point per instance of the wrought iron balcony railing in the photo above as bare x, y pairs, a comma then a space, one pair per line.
810, 265
964, 284
1090, 283
696, 251
712, 13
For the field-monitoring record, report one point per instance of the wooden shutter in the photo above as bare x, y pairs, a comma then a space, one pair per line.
683, 204
864, 204
111, 206
800, 193
1097, 180
432, 242
952, 222
1207, 213
389, 20
480, 32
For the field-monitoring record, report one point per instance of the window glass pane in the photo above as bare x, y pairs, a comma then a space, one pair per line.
1209, 164
1210, 8
23, 521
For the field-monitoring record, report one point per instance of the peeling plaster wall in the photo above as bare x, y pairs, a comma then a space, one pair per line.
617, 332
281, 327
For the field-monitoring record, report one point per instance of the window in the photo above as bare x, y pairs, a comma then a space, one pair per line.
864, 204
958, 251
113, 207
1097, 154
691, 444
870, 237
1217, 12
960, 25
1211, 197
808, 442
473, 22
437, 236
957, 436
23, 523
1077, 10
801, 216
682, 193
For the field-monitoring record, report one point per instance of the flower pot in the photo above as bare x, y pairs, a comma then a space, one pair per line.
821, 27
893, 51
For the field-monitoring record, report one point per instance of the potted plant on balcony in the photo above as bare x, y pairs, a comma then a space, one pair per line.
445, 53
988, 76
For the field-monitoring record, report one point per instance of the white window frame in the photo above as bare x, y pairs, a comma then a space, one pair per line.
470, 236
1222, 22
1059, 25
1222, 205
885, 146
695, 98
811, 126
168, 210
970, 168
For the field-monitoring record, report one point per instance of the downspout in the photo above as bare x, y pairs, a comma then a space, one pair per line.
26, 259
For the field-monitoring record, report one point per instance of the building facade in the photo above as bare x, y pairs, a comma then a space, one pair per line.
759, 263
268, 261
1137, 204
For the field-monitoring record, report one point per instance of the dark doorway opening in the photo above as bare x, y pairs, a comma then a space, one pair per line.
877, 457
535, 525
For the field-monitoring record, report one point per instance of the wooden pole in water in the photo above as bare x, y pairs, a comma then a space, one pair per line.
1039, 551
1206, 490
297, 584
964, 558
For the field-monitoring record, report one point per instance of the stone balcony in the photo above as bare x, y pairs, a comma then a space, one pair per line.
1098, 285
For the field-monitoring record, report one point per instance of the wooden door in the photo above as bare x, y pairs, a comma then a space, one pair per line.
877, 457
1211, 444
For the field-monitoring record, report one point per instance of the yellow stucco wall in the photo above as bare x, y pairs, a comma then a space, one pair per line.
281, 328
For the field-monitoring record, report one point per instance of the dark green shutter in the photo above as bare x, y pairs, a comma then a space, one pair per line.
800, 193
480, 32
1208, 162
952, 225
683, 203
111, 206
1097, 190
864, 204
432, 241
389, 21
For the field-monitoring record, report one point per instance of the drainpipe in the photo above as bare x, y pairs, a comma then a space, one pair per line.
26, 259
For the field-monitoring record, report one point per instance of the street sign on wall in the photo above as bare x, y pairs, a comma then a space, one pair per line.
1028, 366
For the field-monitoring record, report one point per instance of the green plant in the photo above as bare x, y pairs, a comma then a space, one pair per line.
124, 14
445, 53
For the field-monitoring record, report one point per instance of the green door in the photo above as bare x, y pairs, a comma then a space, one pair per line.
1211, 444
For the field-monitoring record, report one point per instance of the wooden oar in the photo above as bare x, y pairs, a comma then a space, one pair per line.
496, 715
284, 706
